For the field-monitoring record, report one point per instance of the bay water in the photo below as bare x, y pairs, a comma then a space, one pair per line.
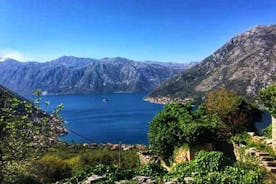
105, 118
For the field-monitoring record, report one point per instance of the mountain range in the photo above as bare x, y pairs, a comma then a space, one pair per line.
246, 63
69, 75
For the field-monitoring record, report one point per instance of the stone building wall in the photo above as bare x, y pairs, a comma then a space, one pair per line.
274, 133
186, 154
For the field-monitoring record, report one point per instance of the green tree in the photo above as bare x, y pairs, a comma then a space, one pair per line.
234, 110
179, 124
223, 114
24, 130
267, 131
268, 96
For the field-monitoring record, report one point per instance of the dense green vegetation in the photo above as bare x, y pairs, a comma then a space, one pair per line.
178, 124
223, 115
77, 162
25, 131
267, 132
28, 154
268, 96
207, 167
233, 110
214, 167
247, 141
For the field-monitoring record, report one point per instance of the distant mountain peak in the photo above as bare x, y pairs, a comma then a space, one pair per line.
116, 59
245, 64
68, 58
9, 60
69, 74
65, 57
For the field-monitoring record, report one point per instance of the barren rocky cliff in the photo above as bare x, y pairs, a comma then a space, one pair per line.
245, 64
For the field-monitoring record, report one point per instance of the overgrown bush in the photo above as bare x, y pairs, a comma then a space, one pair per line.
26, 179
80, 162
247, 140
242, 138
234, 110
210, 161
112, 173
179, 124
202, 164
214, 168
221, 116
267, 132
51, 168
268, 96
231, 175
78, 156
151, 170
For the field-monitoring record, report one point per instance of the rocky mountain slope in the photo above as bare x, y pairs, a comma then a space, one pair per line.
67, 75
246, 63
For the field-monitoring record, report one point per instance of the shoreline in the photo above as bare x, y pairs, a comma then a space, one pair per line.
167, 100
112, 147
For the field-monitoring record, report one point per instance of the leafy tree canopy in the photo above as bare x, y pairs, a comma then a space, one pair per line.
268, 96
24, 130
223, 114
233, 109
179, 124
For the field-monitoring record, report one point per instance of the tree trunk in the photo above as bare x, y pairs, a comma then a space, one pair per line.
273, 132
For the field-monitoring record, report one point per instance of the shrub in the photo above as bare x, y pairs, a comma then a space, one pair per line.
231, 175
247, 140
242, 138
181, 171
51, 168
112, 173
179, 124
26, 179
78, 156
234, 110
151, 170
214, 168
205, 162
268, 96
79, 162
210, 161
267, 132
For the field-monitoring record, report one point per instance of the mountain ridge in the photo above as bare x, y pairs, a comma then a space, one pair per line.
246, 63
69, 75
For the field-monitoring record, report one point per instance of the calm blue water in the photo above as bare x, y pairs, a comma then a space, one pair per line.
125, 118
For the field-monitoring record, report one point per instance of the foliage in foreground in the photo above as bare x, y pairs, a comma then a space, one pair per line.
206, 168
76, 161
223, 114
25, 131
268, 96
179, 124
111, 172
267, 132
214, 168
248, 142
232, 109
114, 173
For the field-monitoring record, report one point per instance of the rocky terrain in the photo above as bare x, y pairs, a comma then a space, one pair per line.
68, 75
245, 64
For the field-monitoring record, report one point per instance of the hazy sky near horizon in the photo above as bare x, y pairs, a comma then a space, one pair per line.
160, 30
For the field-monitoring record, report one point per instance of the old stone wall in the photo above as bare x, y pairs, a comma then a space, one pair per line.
274, 133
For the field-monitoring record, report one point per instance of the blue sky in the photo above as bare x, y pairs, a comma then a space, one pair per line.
161, 30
